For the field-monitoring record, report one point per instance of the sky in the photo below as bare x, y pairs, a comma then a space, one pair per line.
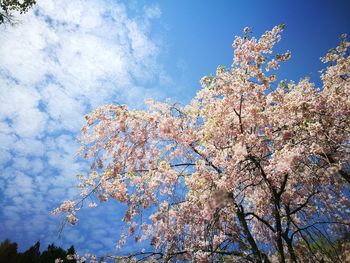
65, 58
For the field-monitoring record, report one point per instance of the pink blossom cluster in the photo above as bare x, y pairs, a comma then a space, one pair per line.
249, 170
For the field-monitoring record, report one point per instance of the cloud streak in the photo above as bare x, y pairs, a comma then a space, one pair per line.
63, 59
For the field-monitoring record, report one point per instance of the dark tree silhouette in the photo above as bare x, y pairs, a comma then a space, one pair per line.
32, 255
51, 253
9, 254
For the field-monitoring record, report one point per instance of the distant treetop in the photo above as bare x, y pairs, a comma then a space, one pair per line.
7, 7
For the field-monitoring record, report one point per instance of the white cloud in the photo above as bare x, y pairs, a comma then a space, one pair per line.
18, 105
64, 58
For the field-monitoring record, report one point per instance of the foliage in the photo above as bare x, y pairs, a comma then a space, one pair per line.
8, 253
251, 170
8, 6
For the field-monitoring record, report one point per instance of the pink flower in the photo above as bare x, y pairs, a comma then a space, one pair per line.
72, 219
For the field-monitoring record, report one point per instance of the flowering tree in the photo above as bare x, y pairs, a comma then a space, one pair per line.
251, 170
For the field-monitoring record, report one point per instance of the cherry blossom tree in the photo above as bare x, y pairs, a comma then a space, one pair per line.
252, 170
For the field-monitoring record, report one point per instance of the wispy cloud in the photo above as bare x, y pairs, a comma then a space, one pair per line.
63, 59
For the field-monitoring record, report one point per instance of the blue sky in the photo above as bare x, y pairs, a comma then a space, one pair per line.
65, 58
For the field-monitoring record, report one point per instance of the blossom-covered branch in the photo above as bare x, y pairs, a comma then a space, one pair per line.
261, 169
